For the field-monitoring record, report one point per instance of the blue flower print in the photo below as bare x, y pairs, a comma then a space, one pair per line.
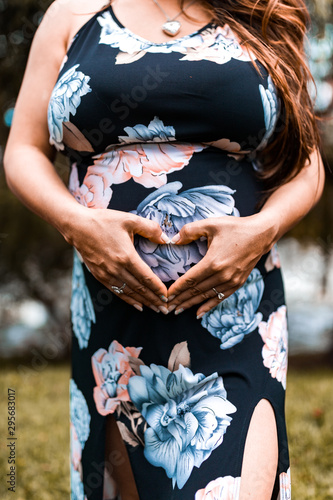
214, 43
271, 107
77, 490
82, 308
79, 413
155, 132
80, 430
187, 416
65, 99
132, 47
172, 211
237, 315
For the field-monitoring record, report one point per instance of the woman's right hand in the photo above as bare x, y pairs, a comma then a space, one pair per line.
104, 238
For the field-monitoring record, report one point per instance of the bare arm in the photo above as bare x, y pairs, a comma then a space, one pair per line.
291, 202
31, 176
237, 243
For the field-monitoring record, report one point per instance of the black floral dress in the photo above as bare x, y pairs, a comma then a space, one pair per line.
169, 131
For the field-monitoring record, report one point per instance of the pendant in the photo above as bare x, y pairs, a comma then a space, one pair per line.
171, 28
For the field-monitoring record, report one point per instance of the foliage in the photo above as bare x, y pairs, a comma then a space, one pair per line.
43, 432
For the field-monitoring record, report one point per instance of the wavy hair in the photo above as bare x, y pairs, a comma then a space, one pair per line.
274, 31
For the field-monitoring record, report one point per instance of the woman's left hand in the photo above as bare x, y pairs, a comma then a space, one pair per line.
235, 244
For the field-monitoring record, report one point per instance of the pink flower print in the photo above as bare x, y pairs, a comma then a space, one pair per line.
273, 260
95, 192
146, 155
146, 164
219, 45
222, 488
112, 372
76, 449
274, 333
285, 485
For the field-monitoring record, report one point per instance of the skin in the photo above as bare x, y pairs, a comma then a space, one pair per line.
104, 238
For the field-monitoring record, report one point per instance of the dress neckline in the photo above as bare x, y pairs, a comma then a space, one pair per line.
157, 44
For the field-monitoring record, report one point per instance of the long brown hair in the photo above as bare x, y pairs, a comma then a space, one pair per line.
274, 31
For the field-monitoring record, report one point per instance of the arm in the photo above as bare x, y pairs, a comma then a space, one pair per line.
235, 244
292, 201
31, 176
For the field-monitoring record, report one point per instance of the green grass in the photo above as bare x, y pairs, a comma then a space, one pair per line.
43, 445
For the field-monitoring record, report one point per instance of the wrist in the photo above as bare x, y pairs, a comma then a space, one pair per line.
71, 220
268, 228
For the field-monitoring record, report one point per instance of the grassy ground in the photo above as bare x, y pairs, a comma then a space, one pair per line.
42, 445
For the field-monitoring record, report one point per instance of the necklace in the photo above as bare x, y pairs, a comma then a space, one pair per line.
172, 27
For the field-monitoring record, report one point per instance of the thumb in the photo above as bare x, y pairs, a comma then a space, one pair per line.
151, 230
190, 232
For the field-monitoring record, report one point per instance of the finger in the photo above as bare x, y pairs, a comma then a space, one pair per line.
211, 303
209, 295
130, 296
148, 229
193, 231
142, 293
198, 273
126, 298
203, 291
142, 272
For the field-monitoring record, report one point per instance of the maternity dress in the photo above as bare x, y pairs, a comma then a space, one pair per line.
168, 131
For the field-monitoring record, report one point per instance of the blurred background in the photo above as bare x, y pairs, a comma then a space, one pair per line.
35, 287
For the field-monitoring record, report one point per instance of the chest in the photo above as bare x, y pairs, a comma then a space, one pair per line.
203, 85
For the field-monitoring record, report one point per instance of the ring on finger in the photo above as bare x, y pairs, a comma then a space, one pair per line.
220, 295
118, 289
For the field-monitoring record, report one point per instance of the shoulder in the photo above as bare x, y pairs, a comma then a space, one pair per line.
64, 18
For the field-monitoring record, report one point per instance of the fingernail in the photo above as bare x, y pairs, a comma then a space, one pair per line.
163, 309
199, 316
165, 238
138, 307
154, 308
178, 311
171, 308
175, 238
164, 298
171, 298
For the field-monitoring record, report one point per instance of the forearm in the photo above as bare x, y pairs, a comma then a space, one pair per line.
292, 201
32, 178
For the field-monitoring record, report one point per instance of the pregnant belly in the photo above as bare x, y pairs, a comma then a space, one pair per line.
172, 184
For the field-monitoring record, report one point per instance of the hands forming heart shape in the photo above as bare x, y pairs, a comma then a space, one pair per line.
105, 239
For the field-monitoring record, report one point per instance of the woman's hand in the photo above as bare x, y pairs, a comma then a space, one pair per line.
235, 244
104, 238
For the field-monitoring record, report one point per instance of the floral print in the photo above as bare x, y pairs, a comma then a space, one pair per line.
187, 415
273, 260
237, 315
148, 154
80, 430
222, 488
275, 351
285, 485
112, 372
65, 99
172, 210
271, 107
77, 490
155, 138
82, 309
218, 45
214, 43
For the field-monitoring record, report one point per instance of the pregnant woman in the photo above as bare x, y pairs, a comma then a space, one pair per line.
193, 148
